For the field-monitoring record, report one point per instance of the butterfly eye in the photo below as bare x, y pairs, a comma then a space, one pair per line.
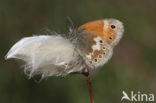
113, 26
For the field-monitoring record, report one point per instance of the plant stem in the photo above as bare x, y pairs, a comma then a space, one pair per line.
90, 90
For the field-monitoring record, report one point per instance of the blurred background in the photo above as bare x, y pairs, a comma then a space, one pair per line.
132, 67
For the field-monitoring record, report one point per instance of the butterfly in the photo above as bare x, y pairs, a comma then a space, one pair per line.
89, 47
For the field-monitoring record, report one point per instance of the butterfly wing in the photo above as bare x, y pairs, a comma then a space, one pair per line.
111, 30
94, 50
98, 39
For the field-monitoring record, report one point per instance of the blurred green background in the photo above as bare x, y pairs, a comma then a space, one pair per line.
132, 67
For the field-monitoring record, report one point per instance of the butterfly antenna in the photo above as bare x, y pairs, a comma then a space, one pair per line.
71, 27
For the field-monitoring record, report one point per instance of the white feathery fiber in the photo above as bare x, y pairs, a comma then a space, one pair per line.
48, 55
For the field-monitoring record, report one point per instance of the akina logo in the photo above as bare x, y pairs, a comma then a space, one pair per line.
137, 96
